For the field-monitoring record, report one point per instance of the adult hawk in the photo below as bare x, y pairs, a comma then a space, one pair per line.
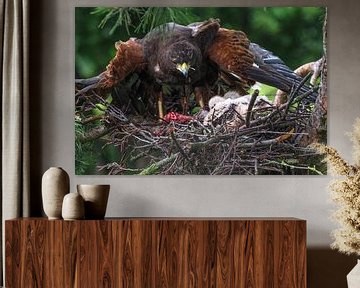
194, 56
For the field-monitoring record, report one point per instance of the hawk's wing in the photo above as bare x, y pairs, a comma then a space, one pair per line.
271, 70
230, 51
129, 58
205, 32
135, 54
247, 62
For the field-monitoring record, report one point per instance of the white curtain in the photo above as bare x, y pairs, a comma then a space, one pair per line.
14, 27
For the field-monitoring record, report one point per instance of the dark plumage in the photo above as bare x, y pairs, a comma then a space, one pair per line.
176, 54
195, 55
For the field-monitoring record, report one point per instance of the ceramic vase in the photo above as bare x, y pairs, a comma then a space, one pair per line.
55, 185
353, 278
73, 207
96, 198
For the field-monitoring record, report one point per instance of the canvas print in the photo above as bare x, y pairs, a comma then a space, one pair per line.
200, 91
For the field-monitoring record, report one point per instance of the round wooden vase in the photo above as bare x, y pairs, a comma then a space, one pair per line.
73, 207
55, 185
96, 198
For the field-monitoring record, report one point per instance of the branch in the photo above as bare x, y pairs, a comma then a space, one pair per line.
283, 163
250, 107
91, 119
155, 167
93, 134
295, 92
182, 152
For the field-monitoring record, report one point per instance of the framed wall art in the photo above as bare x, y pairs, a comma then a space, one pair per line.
199, 91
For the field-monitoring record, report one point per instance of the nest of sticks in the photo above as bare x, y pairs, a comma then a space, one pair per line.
267, 140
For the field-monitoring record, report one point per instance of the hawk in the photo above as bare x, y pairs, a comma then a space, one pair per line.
194, 56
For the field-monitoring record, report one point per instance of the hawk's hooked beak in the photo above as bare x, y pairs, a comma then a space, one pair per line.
183, 68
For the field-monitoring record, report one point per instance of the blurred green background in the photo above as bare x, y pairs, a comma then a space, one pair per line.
292, 33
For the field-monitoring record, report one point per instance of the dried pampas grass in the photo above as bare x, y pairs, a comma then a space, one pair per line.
345, 191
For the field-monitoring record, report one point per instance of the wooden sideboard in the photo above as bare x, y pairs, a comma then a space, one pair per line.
156, 252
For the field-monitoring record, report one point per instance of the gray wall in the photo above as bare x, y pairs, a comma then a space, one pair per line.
52, 132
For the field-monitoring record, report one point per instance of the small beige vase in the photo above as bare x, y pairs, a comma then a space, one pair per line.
96, 198
353, 278
55, 185
73, 207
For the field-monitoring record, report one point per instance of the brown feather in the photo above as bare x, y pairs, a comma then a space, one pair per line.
230, 50
129, 58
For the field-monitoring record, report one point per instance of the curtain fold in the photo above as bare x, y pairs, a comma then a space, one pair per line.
14, 111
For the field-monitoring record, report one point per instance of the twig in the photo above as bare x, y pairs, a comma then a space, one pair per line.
94, 134
92, 119
283, 163
155, 167
250, 107
295, 92
182, 152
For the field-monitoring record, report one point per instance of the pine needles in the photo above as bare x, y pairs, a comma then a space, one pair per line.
141, 19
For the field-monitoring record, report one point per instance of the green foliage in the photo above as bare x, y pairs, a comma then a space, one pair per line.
265, 90
292, 33
85, 158
155, 16
91, 154
141, 19
124, 17
94, 47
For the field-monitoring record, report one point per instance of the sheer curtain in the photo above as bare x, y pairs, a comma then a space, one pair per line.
15, 172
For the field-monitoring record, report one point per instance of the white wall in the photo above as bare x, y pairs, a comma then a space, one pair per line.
296, 196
